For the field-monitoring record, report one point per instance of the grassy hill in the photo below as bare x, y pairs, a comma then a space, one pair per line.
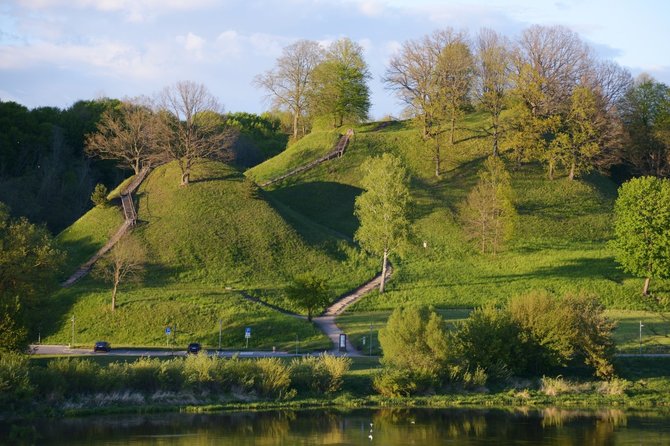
209, 245
559, 243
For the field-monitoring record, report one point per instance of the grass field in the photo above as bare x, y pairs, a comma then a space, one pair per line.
219, 237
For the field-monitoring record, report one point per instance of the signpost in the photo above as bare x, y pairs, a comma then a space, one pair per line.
220, 328
343, 342
247, 335
168, 330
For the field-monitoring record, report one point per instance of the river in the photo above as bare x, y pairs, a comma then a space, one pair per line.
389, 427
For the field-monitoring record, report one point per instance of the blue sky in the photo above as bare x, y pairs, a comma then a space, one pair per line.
54, 52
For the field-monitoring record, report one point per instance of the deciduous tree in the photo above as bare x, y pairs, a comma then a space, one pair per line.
492, 83
382, 208
28, 266
488, 212
192, 127
125, 263
642, 228
309, 292
339, 85
289, 81
127, 133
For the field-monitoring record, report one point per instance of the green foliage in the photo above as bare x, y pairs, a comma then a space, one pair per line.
488, 212
415, 340
339, 88
382, 209
261, 137
99, 195
309, 292
393, 382
642, 228
15, 384
319, 374
28, 265
274, 378
535, 333
489, 339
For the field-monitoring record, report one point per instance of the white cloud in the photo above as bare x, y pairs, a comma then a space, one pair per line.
192, 43
134, 10
371, 8
105, 57
229, 43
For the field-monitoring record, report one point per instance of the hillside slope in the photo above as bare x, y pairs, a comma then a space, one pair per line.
209, 245
559, 243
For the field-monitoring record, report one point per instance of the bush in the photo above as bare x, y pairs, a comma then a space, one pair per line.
171, 376
71, 376
199, 370
15, 385
489, 339
319, 374
99, 195
415, 339
393, 382
143, 374
274, 378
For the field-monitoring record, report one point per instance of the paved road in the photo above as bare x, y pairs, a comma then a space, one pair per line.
65, 350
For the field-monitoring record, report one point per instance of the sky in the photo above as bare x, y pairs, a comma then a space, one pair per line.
55, 52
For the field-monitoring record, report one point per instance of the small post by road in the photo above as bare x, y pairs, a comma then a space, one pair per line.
72, 345
641, 336
247, 335
297, 344
370, 338
220, 328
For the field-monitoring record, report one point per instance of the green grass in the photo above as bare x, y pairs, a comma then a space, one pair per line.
207, 244
560, 243
87, 235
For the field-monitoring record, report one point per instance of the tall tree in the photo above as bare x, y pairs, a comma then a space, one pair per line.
340, 86
642, 228
123, 264
28, 266
579, 140
488, 212
645, 111
493, 65
309, 292
428, 76
127, 134
382, 209
289, 81
192, 126
455, 70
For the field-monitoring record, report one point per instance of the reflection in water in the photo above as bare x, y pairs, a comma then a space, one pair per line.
425, 427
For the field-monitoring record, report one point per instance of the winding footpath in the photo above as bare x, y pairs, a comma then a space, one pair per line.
326, 322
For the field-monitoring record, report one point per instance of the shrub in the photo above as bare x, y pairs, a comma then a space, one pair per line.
170, 375
274, 378
319, 374
71, 376
143, 374
393, 382
415, 339
489, 339
15, 383
199, 370
99, 195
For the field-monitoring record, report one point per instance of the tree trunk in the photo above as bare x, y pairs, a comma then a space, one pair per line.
453, 129
383, 281
437, 158
494, 125
185, 177
571, 176
295, 126
136, 166
117, 279
645, 289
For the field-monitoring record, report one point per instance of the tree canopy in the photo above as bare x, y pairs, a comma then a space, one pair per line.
382, 209
642, 228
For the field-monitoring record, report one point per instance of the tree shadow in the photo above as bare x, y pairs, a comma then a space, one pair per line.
328, 204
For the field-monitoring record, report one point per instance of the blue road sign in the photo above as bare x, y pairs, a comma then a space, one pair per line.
247, 332
168, 330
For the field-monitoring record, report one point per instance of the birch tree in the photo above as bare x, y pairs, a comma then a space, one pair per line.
382, 209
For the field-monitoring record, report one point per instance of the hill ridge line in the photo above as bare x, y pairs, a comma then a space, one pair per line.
130, 218
337, 152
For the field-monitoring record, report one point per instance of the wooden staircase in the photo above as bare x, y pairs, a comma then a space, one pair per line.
130, 219
337, 152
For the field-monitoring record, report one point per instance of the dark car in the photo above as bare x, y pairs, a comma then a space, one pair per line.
102, 346
193, 348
